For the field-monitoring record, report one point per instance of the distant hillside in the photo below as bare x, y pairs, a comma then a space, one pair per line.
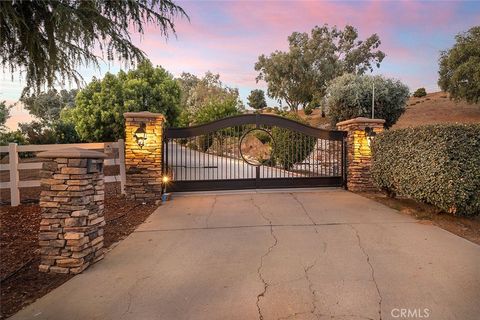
437, 108
315, 119
433, 108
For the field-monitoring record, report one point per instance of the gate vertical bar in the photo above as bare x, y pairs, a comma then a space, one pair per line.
344, 161
164, 151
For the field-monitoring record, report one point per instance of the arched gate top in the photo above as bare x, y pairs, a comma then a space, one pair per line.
258, 120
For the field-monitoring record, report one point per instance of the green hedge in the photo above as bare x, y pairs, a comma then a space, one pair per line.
436, 164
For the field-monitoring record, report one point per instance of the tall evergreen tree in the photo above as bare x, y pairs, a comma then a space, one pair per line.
49, 39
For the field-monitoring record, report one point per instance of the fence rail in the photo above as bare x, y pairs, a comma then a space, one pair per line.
14, 166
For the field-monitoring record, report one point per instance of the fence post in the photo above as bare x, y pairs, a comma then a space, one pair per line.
14, 177
121, 157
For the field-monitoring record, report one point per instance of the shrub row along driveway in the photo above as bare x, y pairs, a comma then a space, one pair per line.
300, 255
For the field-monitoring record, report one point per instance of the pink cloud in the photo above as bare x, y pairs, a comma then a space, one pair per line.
228, 36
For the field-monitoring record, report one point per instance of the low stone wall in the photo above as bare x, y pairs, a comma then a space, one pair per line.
359, 155
72, 203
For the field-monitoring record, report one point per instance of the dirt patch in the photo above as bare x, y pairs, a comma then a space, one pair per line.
467, 228
21, 282
437, 108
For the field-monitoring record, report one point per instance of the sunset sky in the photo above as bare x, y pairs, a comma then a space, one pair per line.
226, 37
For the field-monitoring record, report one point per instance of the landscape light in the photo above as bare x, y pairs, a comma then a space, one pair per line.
141, 135
370, 135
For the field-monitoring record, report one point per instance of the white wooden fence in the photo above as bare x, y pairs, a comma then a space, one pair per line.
14, 166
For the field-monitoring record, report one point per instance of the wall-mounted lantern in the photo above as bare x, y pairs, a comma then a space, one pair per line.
370, 134
140, 135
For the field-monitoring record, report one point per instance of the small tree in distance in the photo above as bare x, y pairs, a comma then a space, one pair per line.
207, 92
256, 99
420, 92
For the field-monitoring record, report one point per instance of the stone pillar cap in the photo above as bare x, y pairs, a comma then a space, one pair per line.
72, 153
361, 120
143, 114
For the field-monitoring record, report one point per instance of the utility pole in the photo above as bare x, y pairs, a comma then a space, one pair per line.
373, 100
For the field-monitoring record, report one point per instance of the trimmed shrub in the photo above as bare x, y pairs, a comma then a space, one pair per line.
436, 164
308, 110
420, 92
291, 147
204, 142
262, 136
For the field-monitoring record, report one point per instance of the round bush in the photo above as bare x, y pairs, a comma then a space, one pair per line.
350, 96
291, 147
420, 92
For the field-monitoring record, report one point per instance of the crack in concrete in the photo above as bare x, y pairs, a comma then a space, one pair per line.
259, 210
304, 209
276, 225
310, 287
130, 296
308, 268
211, 211
372, 271
259, 270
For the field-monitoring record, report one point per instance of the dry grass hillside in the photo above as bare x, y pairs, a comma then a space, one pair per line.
437, 108
315, 119
432, 109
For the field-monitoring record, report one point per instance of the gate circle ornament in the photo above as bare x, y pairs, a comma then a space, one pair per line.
256, 147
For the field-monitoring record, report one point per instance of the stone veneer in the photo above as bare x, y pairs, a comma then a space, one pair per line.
72, 204
359, 155
143, 165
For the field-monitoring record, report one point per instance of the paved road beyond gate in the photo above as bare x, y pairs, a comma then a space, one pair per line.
253, 151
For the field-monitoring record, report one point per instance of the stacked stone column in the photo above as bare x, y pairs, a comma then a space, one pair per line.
72, 204
143, 164
359, 155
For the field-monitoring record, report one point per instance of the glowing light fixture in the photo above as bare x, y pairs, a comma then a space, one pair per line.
370, 135
165, 181
140, 135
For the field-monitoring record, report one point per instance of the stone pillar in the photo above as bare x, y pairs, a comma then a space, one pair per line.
72, 204
143, 164
359, 155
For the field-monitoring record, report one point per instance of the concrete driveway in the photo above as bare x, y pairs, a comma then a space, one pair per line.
326, 254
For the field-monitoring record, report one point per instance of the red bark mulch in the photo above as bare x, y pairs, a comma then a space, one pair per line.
21, 283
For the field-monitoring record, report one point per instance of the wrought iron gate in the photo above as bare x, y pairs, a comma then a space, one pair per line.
253, 151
